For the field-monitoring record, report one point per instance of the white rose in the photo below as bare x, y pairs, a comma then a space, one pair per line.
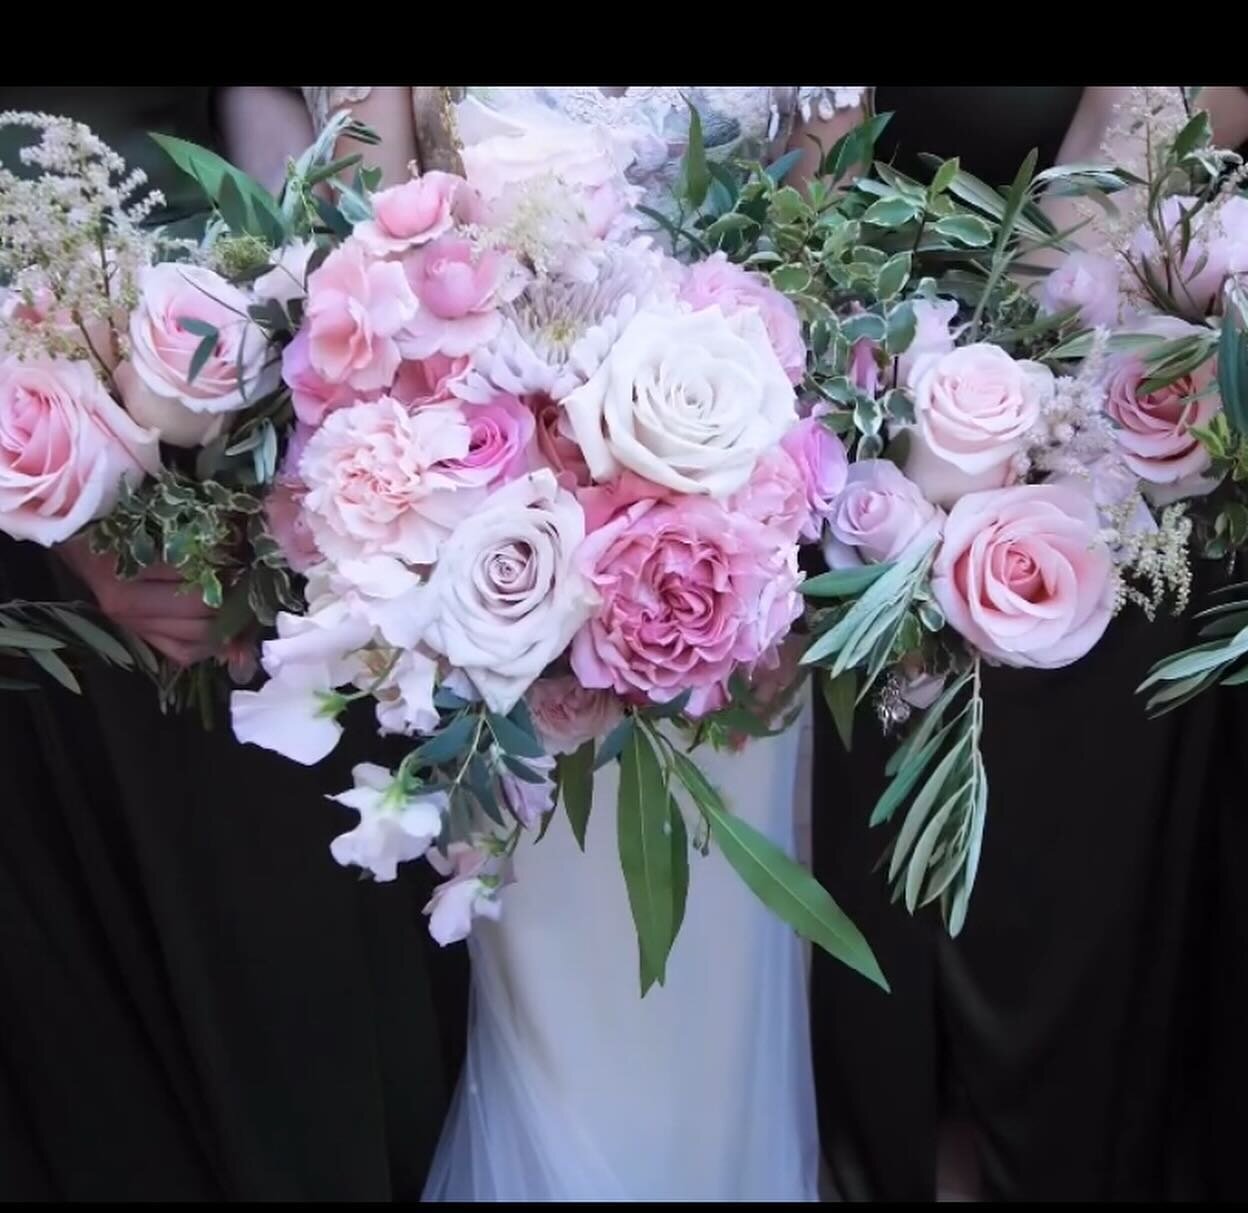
506, 596
974, 407
686, 400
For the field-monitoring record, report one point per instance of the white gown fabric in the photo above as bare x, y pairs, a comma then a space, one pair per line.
575, 1088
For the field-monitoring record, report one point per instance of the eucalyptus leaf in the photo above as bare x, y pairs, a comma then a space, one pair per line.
448, 744
512, 739
615, 742
844, 583
841, 696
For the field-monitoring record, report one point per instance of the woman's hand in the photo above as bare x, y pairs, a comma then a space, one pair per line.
173, 621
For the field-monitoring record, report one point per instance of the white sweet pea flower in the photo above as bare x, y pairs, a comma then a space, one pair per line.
469, 893
394, 827
294, 714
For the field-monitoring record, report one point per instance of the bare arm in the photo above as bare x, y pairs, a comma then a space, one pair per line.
264, 127
388, 111
808, 136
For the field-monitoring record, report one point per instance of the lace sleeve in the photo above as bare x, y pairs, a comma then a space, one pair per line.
821, 101
323, 100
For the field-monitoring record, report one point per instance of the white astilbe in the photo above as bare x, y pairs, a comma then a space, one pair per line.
1152, 564
559, 331
71, 240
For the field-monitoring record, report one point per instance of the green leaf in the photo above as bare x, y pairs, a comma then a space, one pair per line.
779, 882
449, 743
966, 229
1233, 363
512, 739
923, 803
944, 176
51, 664
615, 742
576, 779
791, 279
522, 771
16, 684
901, 327
892, 212
28, 641
894, 275
778, 171
680, 864
1197, 133
865, 325
695, 175
855, 148
841, 696
843, 583
481, 783
646, 854
108, 646
203, 351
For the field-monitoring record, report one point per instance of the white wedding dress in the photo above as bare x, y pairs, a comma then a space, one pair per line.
574, 1087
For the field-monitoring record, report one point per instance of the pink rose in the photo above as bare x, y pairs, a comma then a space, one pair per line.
356, 307
776, 495
933, 333
974, 408
567, 715
158, 389
312, 396
1153, 429
1086, 281
1024, 575
498, 445
377, 481
877, 515
411, 214
65, 448
429, 380
716, 281
1218, 247
821, 459
555, 444
459, 290
689, 593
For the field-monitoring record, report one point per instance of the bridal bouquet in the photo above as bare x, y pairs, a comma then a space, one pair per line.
1009, 479
546, 486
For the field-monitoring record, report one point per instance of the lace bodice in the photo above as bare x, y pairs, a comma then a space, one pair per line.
653, 119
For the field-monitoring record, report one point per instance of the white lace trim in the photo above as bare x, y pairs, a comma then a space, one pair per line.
821, 101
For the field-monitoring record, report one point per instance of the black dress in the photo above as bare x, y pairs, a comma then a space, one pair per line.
1060, 1021
196, 1002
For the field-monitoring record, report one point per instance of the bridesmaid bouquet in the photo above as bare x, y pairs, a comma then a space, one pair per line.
546, 485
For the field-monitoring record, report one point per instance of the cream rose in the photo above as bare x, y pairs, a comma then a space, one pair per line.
973, 409
506, 596
686, 400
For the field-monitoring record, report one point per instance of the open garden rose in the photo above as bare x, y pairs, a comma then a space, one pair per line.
687, 400
507, 596
974, 407
1085, 281
689, 592
66, 447
567, 714
1023, 574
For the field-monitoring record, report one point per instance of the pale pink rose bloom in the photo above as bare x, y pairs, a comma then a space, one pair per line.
500, 434
1086, 281
390, 831
820, 457
465, 896
428, 380
717, 282
356, 307
933, 333
411, 214
1024, 576
556, 446
974, 408
877, 515
567, 714
160, 392
777, 496
1153, 429
1218, 248
377, 485
66, 448
528, 802
688, 594
312, 396
459, 290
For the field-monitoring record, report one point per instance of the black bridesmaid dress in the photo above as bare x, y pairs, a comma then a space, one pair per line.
1060, 1023
196, 1002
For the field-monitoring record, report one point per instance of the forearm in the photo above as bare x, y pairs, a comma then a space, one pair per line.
388, 111
264, 127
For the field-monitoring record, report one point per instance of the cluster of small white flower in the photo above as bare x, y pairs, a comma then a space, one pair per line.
1072, 432
1153, 565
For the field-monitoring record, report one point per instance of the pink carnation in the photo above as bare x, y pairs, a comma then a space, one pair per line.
312, 396
776, 495
820, 458
428, 380
688, 594
411, 214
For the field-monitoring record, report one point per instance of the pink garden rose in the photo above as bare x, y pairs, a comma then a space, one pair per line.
1218, 247
500, 432
716, 281
777, 495
157, 386
1153, 429
459, 290
876, 516
567, 714
411, 214
974, 408
428, 380
689, 593
1086, 281
356, 307
821, 459
1024, 575
555, 444
312, 396
377, 481
65, 448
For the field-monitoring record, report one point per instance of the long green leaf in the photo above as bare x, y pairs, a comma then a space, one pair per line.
843, 583
680, 864
576, 778
923, 803
1232, 360
840, 694
109, 647
28, 641
53, 665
